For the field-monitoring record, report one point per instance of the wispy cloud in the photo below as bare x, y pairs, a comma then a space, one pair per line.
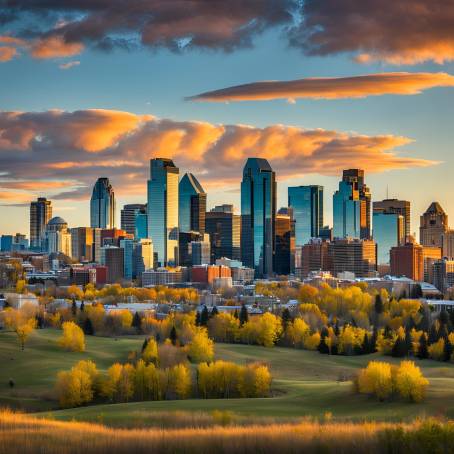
395, 83
62, 153
69, 64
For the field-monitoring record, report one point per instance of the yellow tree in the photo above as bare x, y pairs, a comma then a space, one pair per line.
73, 338
150, 352
201, 348
262, 381
376, 379
180, 381
74, 387
410, 382
21, 286
22, 322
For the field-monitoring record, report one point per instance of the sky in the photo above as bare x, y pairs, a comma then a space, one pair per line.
94, 89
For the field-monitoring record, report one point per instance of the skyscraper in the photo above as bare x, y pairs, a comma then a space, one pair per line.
58, 237
192, 204
40, 215
128, 216
285, 242
401, 207
258, 216
307, 205
82, 241
433, 224
388, 232
163, 211
408, 260
102, 205
224, 228
351, 206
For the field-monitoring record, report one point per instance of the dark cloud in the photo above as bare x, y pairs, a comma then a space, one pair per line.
61, 154
396, 31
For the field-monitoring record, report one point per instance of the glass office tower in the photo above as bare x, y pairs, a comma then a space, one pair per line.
307, 206
258, 216
192, 205
389, 230
163, 211
40, 215
102, 205
346, 212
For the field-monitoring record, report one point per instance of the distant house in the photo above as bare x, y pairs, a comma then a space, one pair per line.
17, 300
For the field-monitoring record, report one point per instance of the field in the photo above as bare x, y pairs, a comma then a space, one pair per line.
305, 384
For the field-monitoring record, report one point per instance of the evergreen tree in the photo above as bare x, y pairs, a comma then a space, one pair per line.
82, 306
214, 312
433, 334
204, 316
373, 341
322, 346
137, 322
336, 329
286, 318
365, 347
173, 336
416, 291
74, 308
145, 343
399, 348
447, 353
423, 352
88, 327
379, 307
39, 321
408, 342
197, 318
244, 315
236, 316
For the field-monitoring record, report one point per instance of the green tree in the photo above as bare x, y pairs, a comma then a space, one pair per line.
244, 315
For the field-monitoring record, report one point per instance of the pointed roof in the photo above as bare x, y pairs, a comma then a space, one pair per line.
435, 208
190, 179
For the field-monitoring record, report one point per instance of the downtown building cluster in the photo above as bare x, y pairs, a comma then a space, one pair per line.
173, 238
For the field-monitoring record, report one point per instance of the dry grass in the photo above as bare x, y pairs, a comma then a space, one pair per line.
20, 433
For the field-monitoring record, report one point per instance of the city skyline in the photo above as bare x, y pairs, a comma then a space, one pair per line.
107, 102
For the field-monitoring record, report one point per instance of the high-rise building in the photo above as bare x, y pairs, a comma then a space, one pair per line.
40, 215
401, 207
285, 242
163, 211
58, 237
128, 216
388, 232
192, 205
430, 255
127, 244
6, 243
200, 251
102, 205
353, 255
443, 274
258, 216
433, 224
141, 225
82, 243
314, 257
184, 241
307, 205
142, 257
113, 258
224, 228
408, 260
351, 206
11, 243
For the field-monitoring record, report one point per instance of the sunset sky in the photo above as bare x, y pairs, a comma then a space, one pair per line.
94, 88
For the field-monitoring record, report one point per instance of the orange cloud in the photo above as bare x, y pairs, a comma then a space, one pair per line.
395, 83
70, 150
7, 53
55, 47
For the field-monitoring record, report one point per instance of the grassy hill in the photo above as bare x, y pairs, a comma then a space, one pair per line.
305, 384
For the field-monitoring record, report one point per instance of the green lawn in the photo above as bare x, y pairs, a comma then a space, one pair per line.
305, 383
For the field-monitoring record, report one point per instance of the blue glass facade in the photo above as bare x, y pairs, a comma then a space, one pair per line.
346, 212
307, 206
128, 246
258, 216
191, 205
388, 232
163, 211
141, 226
6, 243
102, 205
